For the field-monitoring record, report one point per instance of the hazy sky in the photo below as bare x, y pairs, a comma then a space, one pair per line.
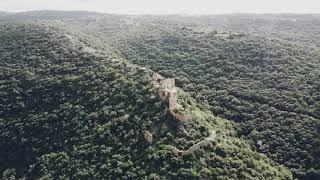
167, 6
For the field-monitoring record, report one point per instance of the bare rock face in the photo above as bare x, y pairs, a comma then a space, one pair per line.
182, 117
148, 136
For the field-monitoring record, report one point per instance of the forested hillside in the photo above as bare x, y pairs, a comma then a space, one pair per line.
77, 91
67, 111
269, 86
301, 29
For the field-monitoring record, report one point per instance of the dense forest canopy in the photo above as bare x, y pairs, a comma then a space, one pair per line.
74, 96
268, 87
70, 112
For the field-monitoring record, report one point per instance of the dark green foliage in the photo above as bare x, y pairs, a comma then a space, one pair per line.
58, 103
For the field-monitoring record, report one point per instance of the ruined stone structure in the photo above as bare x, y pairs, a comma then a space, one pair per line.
168, 92
148, 136
168, 84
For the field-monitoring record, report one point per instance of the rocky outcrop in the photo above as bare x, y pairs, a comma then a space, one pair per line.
148, 136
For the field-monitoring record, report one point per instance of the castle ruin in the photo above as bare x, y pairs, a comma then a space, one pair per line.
168, 92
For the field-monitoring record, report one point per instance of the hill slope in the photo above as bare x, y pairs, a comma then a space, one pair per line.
268, 86
271, 88
267, 83
69, 112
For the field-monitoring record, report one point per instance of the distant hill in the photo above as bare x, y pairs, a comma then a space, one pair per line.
46, 15
291, 27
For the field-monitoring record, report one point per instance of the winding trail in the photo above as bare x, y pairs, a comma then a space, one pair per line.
196, 146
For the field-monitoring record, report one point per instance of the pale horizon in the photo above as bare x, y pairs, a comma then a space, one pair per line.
163, 7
